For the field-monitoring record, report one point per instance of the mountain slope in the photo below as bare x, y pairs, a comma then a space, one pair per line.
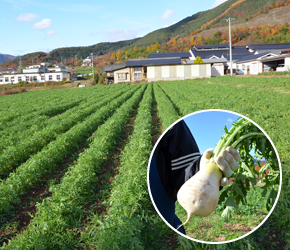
5, 57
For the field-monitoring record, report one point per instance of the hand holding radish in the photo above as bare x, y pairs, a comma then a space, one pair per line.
200, 194
227, 161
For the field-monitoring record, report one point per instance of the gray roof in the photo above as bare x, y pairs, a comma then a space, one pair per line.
7, 70
170, 54
269, 46
274, 58
153, 61
212, 47
113, 67
215, 60
252, 57
211, 50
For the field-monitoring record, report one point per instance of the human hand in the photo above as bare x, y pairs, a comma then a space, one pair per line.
227, 161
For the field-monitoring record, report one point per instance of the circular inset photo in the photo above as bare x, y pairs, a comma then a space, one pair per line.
214, 176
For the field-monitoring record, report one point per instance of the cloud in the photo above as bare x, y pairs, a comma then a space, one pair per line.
230, 120
120, 35
167, 14
50, 33
218, 2
63, 46
44, 24
27, 17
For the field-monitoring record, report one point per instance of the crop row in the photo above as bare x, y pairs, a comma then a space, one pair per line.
48, 110
166, 110
51, 227
24, 129
33, 170
30, 103
129, 223
13, 107
45, 108
13, 156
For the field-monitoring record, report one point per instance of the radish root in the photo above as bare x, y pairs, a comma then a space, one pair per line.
188, 217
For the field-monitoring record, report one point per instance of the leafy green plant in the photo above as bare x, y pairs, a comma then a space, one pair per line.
247, 138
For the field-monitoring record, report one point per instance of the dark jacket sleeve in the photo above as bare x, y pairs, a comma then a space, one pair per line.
177, 158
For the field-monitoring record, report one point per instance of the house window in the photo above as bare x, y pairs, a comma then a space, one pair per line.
137, 68
1, 80
58, 77
138, 76
122, 76
50, 77
12, 79
6, 79
27, 78
42, 78
19, 78
34, 78
237, 67
243, 67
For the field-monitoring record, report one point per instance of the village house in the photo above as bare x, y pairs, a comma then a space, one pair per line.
251, 59
156, 69
35, 73
87, 62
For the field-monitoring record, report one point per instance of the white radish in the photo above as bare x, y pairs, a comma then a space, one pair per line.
200, 194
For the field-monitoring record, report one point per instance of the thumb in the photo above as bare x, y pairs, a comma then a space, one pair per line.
208, 153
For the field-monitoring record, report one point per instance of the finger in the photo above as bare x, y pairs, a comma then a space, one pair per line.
234, 153
224, 166
224, 182
230, 160
208, 153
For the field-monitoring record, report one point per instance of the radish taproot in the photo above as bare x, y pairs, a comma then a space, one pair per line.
200, 194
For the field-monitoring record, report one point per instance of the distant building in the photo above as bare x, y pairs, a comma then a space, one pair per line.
35, 73
87, 62
251, 59
155, 69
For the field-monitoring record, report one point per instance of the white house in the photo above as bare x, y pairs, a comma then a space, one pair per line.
87, 62
35, 73
276, 63
252, 65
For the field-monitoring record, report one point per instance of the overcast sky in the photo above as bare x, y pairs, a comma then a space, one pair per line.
32, 25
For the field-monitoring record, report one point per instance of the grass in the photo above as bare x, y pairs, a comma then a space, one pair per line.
275, 73
85, 70
213, 229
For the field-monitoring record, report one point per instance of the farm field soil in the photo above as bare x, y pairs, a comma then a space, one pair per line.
94, 180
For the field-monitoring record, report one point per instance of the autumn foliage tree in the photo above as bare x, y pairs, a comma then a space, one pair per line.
156, 46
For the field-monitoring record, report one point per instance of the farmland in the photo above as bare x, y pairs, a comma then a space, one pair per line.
73, 163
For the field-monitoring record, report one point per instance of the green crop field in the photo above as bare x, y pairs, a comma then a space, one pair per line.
73, 163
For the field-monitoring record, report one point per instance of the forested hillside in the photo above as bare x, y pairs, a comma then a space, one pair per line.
4, 58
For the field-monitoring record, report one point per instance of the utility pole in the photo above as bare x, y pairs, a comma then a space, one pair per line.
93, 66
44, 68
230, 40
20, 65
